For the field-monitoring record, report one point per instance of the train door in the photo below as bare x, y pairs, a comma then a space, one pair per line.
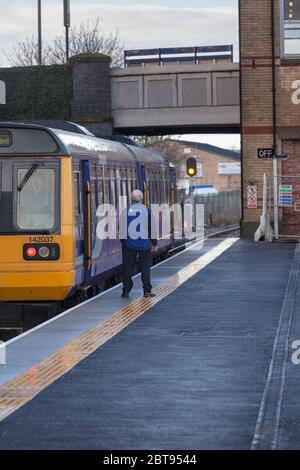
87, 243
172, 200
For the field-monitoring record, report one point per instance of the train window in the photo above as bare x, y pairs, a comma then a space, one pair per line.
100, 192
118, 186
123, 174
131, 185
135, 184
159, 191
124, 188
106, 185
167, 192
35, 197
113, 192
149, 186
77, 192
154, 188
113, 186
129, 179
94, 195
162, 190
106, 191
153, 199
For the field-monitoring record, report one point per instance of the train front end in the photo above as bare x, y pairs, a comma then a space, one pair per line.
36, 216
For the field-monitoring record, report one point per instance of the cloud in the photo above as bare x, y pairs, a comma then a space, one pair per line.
140, 25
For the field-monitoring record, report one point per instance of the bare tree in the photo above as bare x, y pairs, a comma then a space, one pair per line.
162, 143
85, 38
25, 53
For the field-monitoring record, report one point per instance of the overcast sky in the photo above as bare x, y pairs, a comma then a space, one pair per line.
146, 23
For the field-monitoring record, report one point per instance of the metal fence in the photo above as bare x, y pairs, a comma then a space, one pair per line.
221, 209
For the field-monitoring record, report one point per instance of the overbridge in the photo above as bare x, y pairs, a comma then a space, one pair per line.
193, 92
170, 99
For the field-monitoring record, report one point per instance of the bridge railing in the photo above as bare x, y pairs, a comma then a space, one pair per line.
195, 55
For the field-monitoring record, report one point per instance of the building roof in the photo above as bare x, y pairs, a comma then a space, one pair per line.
211, 149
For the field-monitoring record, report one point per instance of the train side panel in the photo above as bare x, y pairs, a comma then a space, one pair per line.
25, 280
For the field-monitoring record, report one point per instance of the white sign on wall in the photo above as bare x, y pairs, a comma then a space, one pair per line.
199, 170
233, 168
296, 94
252, 197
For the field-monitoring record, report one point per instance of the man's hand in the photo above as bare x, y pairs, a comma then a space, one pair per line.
154, 248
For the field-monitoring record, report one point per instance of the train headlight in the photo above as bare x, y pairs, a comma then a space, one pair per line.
44, 252
31, 252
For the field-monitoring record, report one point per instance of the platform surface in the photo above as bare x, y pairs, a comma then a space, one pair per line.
188, 374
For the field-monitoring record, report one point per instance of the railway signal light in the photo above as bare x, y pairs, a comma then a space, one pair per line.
191, 166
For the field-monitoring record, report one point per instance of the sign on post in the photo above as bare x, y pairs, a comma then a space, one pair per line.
252, 197
285, 195
266, 154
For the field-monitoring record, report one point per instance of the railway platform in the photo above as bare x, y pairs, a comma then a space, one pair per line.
209, 363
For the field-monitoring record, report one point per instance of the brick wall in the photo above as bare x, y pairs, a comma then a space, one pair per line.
256, 97
91, 103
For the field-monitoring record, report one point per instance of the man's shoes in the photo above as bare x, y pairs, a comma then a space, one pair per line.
149, 295
125, 295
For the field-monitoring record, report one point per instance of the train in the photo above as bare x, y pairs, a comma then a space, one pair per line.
52, 182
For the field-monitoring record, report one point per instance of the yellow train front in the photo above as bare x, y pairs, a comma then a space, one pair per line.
52, 183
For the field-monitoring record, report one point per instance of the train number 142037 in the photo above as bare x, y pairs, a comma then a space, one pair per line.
40, 239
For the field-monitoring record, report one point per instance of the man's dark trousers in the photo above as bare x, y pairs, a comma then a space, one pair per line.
130, 262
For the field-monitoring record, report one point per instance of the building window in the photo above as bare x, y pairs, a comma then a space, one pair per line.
199, 170
290, 28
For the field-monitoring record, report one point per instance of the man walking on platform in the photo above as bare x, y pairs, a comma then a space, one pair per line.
137, 243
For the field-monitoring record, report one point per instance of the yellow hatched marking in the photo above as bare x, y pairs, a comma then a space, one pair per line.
24, 388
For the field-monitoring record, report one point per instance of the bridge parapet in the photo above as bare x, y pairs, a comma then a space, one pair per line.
176, 95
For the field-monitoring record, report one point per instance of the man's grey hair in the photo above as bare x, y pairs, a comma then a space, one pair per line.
137, 196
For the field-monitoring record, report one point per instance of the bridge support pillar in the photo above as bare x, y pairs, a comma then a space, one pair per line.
91, 104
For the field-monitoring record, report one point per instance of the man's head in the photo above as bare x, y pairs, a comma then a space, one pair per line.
137, 196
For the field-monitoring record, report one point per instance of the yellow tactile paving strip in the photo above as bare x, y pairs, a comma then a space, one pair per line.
19, 391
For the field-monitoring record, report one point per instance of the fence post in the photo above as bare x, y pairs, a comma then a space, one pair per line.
264, 229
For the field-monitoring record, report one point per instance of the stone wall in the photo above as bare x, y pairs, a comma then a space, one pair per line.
79, 92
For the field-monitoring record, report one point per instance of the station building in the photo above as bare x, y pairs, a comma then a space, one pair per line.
216, 166
270, 111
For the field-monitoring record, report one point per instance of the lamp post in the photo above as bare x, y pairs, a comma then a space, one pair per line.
39, 7
67, 24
